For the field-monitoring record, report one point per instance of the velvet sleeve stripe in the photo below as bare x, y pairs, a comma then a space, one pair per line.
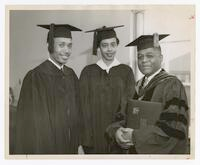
173, 117
172, 132
176, 101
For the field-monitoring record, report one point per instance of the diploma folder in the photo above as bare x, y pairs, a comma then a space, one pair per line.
142, 113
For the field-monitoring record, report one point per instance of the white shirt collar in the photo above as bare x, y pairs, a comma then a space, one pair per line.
153, 75
58, 66
103, 66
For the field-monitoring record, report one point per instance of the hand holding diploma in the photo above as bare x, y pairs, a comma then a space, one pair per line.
123, 137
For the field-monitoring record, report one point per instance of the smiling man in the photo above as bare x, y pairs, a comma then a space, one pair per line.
104, 89
169, 135
48, 108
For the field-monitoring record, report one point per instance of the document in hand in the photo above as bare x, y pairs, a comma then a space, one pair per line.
142, 113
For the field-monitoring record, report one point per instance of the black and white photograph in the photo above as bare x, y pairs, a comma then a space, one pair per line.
108, 80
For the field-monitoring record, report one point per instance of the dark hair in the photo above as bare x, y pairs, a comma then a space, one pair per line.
50, 43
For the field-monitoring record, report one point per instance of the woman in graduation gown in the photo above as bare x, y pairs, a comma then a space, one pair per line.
104, 90
48, 107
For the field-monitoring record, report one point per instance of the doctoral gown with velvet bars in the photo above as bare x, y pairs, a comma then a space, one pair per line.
169, 135
103, 95
48, 112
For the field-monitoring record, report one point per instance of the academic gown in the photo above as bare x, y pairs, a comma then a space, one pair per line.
103, 98
169, 135
48, 111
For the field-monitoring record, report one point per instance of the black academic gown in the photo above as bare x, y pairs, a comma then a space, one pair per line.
169, 135
103, 100
48, 111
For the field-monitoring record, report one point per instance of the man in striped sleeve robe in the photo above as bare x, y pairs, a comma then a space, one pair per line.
169, 135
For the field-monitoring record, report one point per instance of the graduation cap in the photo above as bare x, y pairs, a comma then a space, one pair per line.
101, 34
147, 41
58, 30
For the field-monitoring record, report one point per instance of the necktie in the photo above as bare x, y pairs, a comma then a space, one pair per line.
143, 84
62, 69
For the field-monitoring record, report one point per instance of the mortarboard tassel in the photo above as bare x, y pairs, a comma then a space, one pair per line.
94, 52
51, 38
156, 40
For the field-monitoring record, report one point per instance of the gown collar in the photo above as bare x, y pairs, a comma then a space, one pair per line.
103, 66
58, 66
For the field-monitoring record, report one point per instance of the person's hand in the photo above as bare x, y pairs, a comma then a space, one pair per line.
80, 150
123, 138
127, 134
